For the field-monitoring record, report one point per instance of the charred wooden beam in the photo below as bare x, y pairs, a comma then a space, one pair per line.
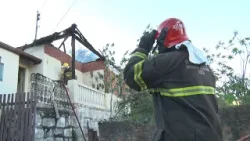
73, 56
49, 39
64, 48
65, 38
71, 31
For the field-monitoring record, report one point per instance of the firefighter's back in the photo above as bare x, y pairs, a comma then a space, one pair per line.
185, 105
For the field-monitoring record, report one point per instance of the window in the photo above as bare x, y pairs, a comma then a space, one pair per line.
1, 69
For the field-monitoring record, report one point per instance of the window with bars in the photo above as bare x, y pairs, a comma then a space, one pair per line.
1, 69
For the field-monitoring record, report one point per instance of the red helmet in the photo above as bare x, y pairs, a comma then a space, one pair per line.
176, 32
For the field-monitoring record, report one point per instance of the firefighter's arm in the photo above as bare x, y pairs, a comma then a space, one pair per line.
133, 71
142, 73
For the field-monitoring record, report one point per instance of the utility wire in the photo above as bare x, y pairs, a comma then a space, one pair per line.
43, 5
64, 15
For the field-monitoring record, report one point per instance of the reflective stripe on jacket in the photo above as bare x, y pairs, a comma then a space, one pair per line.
185, 105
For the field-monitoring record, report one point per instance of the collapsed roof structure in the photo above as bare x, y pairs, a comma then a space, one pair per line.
72, 32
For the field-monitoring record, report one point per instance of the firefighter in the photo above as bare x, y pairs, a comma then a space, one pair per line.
66, 73
181, 83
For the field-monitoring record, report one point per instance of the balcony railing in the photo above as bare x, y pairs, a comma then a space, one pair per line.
85, 95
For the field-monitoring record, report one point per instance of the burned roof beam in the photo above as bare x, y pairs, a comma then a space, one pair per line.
72, 30
53, 37
85, 42
90, 47
62, 44
45, 40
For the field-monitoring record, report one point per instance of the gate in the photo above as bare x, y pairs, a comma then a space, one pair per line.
17, 117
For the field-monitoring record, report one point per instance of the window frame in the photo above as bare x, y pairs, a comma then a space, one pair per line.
1, 72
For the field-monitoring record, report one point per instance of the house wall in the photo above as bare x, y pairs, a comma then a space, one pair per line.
38, 68
26, 65
88, 80
10, 72
55, 58
52, 69
52, 62
38, 52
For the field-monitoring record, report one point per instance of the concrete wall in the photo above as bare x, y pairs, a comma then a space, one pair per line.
51, 67
38, 52
26, 65
38, 68
87, 80
10, 72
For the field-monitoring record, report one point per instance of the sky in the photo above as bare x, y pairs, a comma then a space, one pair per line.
123, 21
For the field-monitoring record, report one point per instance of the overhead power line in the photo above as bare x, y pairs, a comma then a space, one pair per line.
43, 5
64, 15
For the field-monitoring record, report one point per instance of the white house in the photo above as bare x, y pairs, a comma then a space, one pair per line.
17, 65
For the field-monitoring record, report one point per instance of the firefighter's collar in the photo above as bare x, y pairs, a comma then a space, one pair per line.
196, 55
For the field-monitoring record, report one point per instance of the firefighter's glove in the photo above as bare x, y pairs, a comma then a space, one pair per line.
162, 36
147, 40
161, 39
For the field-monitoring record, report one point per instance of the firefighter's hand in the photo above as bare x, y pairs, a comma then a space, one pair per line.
162, 36
147, 40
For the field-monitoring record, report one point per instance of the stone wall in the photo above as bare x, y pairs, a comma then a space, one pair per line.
125, 131
49, 125
91, 116
49, 128
235, 123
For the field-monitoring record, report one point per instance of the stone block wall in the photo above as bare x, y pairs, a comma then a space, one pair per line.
125, 131
235, 122
49, 128
91, 116
66, 128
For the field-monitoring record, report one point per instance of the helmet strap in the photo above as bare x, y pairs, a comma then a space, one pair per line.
164, 49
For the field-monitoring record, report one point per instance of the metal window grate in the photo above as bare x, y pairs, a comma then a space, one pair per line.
1, 69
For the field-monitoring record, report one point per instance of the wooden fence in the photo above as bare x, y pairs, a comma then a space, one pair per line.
17, 120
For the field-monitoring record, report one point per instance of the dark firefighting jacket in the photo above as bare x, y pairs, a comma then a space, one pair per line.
185, 105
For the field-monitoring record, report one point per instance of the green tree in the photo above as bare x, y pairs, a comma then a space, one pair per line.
231, 87
140, 103
133, 105
111, 82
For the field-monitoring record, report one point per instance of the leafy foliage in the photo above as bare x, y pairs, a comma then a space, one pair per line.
140, 103
133, 105
232, 88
